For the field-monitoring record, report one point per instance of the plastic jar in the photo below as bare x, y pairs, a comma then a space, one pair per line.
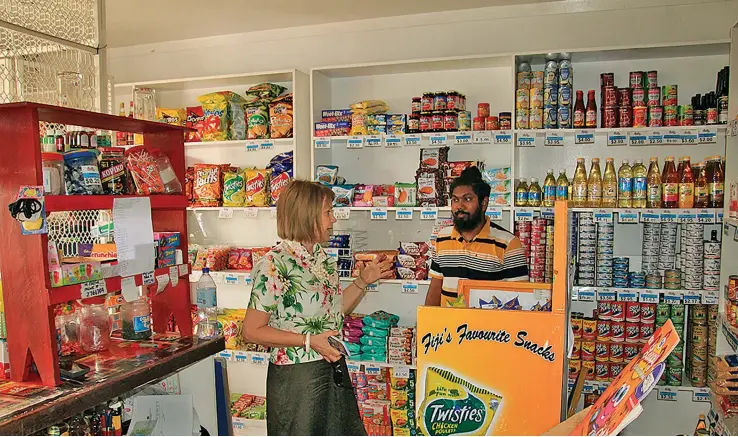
94, 328
81, 173
136, 320
52, 165
168, 177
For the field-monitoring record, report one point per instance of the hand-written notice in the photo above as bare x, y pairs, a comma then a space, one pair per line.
464, 334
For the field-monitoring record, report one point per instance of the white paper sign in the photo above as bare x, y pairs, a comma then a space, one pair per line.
134, 234
174, 275
93, 289
148, 278
161, 282
128, 289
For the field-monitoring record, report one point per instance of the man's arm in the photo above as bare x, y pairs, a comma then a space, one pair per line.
433, 298
515, 262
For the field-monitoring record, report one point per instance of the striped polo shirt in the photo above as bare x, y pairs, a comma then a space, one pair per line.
493, 255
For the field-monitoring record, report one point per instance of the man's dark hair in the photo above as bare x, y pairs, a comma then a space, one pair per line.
472, 177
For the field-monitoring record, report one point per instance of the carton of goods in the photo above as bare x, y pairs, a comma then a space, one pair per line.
332, 129
328, 113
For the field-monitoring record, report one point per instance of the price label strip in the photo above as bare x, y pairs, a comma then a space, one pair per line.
410, 287
355, 142
687, 216
553, 138
404, 213
93, 289
391, 140
645, 297
637, 138
482, 137
617, 138
606, 295
374, 141
655, 138
627, 296
494, 213
438, 140
547, 213
252, 147
603, 216
587, 294
341, 213
585, 136
672, 297
525, 140
412, 139
266, 146
705, 216
628, 216
689, 137
650, 216
710, 298
379, 213
707, 136
668, 217
462, 139
225, 213
692, 299
672, 137
666, 394
429, 213
701, 394
322, 143
503, 137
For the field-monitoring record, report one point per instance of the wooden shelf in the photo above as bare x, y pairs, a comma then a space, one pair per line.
76, 203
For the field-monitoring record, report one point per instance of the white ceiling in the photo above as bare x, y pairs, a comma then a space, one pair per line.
132, 22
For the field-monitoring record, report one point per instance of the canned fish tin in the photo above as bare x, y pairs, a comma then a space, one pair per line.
589, 328
603, 310
699, 336
674, 376
712, 250
637, 79
617, 331
535, 119
588, 367
602, 372
646, 332
576, 325
565, 72
655, 116
616, 352
632, 332
564, 95
663, 310
535, 98
630, 351
676, 357
677, 313
588, 350
610, 117
536, 79
576, 352
575, 366
603, 330
698, 376
617, 311
699, 355
632, 312
602, 351
610, 96
669, 95
699, 314
640, 116
625, 114
564, 117
521, 118
522, 99
616, 369
524, 79
639, 97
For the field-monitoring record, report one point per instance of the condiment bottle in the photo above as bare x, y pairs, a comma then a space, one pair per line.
534, 193
562, 186
701, 196
653, 181
640, 186
594, 185
670, 187
625, 185
610, 185
549, 189
521, 193
579, 110
715, 182
590, 116
686, 184
579, 185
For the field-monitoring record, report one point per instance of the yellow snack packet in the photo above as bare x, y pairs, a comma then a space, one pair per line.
231, 324
175, 116
453, 405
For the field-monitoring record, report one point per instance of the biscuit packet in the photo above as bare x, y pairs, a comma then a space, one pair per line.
405, 194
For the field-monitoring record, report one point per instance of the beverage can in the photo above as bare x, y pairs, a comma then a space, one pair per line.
632, 312
588, 367
524, 79
617, 311
550, 116
576, 352
648, 312
521, 118
564, 117
565, 72
564, 95
575, 366
630, 351
551, 95
522, 99
550, 73
647, 330
536, 79
616, 352
536, 98
602, 372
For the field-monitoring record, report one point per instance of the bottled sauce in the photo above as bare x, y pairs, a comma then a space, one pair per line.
625, 185
670, 184
579, 185
549, 189
562, 186
207, 300
521, 193
640, 186
701, 196
590, 115
653, 182
579, 110
610, 185
715, 182
594, 185
701, 428
171, 183
534, 193
686, 184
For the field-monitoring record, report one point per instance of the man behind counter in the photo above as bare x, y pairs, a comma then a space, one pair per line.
474, 247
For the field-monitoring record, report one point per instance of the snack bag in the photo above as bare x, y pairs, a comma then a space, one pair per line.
206, 190
281, 167
233, 188
231, 323
344, 195
281, 117
240, 259
433, 157
363, 195
257, 193
359, 124
258, 121
196, 120
370, 107
221, 109
405, 194
144, 171
174, 117
430, 187
266, 90
326, 174
257, 253
189, 179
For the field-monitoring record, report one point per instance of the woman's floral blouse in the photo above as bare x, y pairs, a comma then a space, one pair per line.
301, 292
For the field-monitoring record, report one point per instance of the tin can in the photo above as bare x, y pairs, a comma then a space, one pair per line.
602, 372
617, 331
711, 116
733, 287
610, 96
616, 369
646, 332
588, 350
491, 123
535, 98
521, 119
536, 118
576, 352
617, 311
607, 79
699, 335
698, 315
669, 95
632, 332
483, 110
478, 124
676, 357
550, 95
536, 79
522, 99
616, 352
565, 72
654, 96
564, 95
632, 312
626, 116
671, 116
698, 376
625, 97
679, 328
712, 250
677, 313
640, 116
550, 73
602, 351
648, 312
685, 114
589, 328
655, 116
630, 351
505, 120
699, 355
610, 117
564, 117
603, 310
637, 79
465, 121
575, 366
639, 97
674, 376
588, 367
603, 330
550, 116
524, 78
652, 79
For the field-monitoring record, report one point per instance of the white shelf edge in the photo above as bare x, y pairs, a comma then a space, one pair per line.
277, 142
235, 208
381, 364
394, 281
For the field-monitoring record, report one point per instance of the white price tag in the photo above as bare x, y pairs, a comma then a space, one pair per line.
719, 216
650, 216
410, 287
525, 139
266, 145
379, 213
637, 138
705, 216
174, 275
247, 280
672, 297
668, 217
241, 356
428, 213
461, 139
494, 213
617, 138
645, 297
628, 216
322, 143
606, 295
707, 135
355, 142
710, 298
183, 269
587, 294
547, 212
701, 394
392, 140
666, 394
672, 137
230, 279
258, 359
374, 141
128, 289
687, 216
692, 299
252, 147
93, 288
251, 213
438, 140
553, 138
412, 139
689, 137
163, 280
372, 370
404, 213
524, 214
225, 213
148, 278
482, 137
341, 213
627, 296
603, 216
503, 137
401, 372
584, 136
373, 287
655, 138
226, 355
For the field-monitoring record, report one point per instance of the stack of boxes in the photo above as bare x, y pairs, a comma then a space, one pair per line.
400, 345
167, 244
375, 335
691, 255
605, 249
587, 249
334, 122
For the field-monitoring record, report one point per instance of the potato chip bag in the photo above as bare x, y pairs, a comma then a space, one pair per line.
195, 119
281, 117
266, 90
231, 322
257, 117
220, 109
446, 396
174, 117
233, 188
257, 193
206, 185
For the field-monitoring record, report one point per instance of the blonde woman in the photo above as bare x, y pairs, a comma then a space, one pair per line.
296, 305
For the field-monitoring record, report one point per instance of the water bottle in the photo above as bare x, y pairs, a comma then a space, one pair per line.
207, 310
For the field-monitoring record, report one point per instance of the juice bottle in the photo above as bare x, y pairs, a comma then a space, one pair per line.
549, 189
579, 185
562, 186
670, 184
686, 184
701, 196
640, 187
653, 181
521, 193
594, 185
610, 185
625, 185
715, 182
534, 193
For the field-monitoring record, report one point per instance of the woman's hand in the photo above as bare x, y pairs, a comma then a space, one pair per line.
320, 344
374, 270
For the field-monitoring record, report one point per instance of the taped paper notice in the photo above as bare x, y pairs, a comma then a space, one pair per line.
161, 282
148, 278
128, 289
174, 275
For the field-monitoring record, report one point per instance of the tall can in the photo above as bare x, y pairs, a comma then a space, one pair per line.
566, 75
610, 117
685, 113
522, 118
669, 95
625, 116
655, 116
550, 116
671, 117
640, 116
607, 79
535, 119
536, 79
639, 97
564, 117
652, 79
564, 95
625, 97
536, 98
522, 99
550, 73
610, 96
551, 95
524, 80
654, 96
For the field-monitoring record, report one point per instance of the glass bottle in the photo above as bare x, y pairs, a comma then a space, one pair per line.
653, 181
594, 185
136, 320
521, 193
590, 116
94, 328
562, 186
610, 185
579, 110
534, 193
171, 183
579, 185
549, 189
625, 185
701, 196
715, 182
130, 136
686, 184
640, 186
670, 184
121, 138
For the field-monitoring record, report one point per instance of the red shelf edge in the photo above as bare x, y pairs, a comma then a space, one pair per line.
92, 202
66, 293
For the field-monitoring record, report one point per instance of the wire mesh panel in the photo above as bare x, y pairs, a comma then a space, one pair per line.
72, 20
69, 229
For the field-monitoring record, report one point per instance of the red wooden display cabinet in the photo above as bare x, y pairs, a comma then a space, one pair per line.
29, 298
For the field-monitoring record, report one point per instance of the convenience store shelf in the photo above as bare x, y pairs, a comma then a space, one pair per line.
250, 145
77, 203
262, 359
248, 427
699, 394
434, 139
726, 424
609, 294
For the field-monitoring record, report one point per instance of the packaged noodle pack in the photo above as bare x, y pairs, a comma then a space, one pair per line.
453, 405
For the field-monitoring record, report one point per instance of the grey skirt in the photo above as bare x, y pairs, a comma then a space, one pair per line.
304, 399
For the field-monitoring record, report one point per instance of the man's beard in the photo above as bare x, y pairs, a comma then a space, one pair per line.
469, 221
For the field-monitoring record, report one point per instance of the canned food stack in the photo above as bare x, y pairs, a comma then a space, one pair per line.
692, 255
550, 92
731, 304
711, 264
486, 121
650, 250
566, 93
529, 98
439, 111
667, 248
620, 272
549, 251
697, 341
523, 232
537, 260
605, 242
675, 361
637, 280
672, 279
713, 326
587, 249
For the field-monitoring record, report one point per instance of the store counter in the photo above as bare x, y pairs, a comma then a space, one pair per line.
27, 408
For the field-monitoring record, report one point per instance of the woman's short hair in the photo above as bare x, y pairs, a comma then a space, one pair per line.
299, 210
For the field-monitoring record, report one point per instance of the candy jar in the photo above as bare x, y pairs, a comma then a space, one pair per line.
94, 328
136, 320
67, 327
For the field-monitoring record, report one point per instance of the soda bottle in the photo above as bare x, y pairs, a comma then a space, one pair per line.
594, 185
640, 185
207, 299
562, 186
610, 185
549, 189
521, 193
579, 185
686, 184
653, 181
625, 185
534, 193
715, 182
670, 184
701, 196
